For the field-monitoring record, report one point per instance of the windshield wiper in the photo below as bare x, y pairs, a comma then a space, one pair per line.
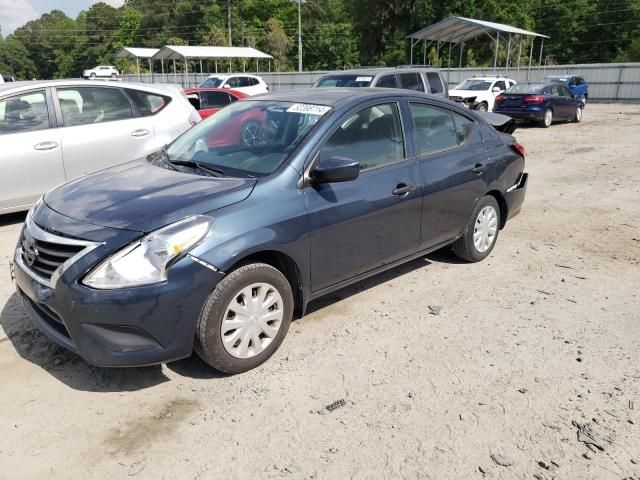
212, 171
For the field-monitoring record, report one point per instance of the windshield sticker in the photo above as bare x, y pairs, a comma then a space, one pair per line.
364, 79
308, 109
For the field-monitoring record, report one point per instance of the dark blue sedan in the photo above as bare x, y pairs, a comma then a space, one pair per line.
543, 103
214, 243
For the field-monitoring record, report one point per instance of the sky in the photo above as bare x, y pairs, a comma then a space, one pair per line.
15, 13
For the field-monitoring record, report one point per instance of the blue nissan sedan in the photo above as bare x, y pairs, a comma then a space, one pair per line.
217, 241
543, 103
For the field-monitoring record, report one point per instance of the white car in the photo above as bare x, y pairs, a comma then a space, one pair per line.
480, 93
101, 71
55, 131
241, 82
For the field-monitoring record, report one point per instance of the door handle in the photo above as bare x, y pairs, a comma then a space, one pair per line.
45, 145
479, 168
141, 132
403, 189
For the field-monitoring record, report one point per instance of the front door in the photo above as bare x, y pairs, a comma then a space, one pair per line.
363, 224
30, 156
100, 129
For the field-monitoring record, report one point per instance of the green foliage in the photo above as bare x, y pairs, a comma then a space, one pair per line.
336, 33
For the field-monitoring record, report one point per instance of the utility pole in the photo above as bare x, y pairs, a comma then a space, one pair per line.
299, 36
229, 19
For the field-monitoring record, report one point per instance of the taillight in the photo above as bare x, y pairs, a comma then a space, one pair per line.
499, 99
519, 149
534, 99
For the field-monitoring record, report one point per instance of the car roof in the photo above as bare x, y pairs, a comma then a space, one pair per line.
497, 77
372, 71
210, 89
222, 75
333, 96
29, 84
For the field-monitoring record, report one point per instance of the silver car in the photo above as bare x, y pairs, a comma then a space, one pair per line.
54, 131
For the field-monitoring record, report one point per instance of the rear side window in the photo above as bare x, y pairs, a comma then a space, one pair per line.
435, 84
24, 113
232, 82
372, 136
411, 81
435, 129
214, 99
148, 103
387, 81
463, 127
87, 105
501, 85
253, 81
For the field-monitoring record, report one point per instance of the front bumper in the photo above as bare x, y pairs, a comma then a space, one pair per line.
121, 327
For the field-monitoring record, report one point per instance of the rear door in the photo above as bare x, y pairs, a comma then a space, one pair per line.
387, 81
411, 81
30, 150
100, 128
455, 169
436, 86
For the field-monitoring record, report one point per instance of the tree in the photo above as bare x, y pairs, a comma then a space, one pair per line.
215, 37
14, 59
277, 43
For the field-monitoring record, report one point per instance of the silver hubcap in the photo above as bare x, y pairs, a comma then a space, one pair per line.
485, 229
252, 320
548, 116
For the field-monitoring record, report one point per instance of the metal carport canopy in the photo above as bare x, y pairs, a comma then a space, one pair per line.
200, 52
137, 52
460, 29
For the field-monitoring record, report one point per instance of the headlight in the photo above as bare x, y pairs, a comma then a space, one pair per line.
146, 261
35, 206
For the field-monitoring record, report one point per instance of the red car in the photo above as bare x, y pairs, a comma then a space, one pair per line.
208, 101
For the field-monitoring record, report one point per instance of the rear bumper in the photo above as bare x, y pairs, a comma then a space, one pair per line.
514, 197
532, 113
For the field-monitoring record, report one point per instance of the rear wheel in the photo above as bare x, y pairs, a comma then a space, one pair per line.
113, 75
547, 119
482, 107
245, 319
481, 232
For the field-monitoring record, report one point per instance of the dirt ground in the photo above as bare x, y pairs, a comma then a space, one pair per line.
531, 369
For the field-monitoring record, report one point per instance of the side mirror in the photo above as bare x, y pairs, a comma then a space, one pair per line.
226, 85
335, 169
495, 89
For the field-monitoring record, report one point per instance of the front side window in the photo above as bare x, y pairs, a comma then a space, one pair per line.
249, 138
372, 137
435, 129
411, 81
214, 99
88, 105
24, 113
387, 81
435, 84
148, 103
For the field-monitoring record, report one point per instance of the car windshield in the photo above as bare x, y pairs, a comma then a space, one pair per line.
474, 84
212, 82
248, 138
344, 81
555, 79
525, 88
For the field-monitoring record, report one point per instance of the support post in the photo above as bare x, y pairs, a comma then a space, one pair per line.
460, 62
151, 70
215, 62
519, 55
229, 20
438, 55
540, 61
533, 40
424, 53
162, 69
506, 65
186, 73
411, 54
449, 66
495, 57
138, 65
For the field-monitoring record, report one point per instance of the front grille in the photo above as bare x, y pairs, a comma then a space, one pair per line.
42, 253
47, 256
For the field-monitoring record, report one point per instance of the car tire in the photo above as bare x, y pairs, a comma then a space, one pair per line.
482, 107
547, 118
481, 232
93, 75
578, 115
113, 75
235, 350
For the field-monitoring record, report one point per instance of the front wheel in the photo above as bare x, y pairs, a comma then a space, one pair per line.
578, 115
93, 75
481, 232
245, 318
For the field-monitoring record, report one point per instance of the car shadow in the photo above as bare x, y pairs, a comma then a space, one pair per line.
73, 371
12, 218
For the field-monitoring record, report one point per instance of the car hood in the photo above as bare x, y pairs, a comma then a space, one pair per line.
466, 93
143, 196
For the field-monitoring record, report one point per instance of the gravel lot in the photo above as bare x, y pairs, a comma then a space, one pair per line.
531, 369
